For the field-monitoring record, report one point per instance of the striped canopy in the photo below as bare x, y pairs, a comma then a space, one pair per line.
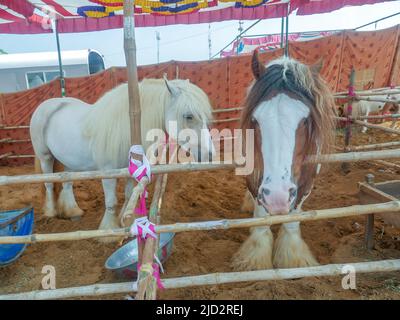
32, 16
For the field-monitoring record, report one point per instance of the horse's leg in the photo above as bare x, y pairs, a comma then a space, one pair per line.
256, 251
109, 220
364, 129
290, 250
128, 192
66, 204
49, 208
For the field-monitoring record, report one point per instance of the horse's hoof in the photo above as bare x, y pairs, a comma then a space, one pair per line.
291, 251
256, 252
50, 213
74, 213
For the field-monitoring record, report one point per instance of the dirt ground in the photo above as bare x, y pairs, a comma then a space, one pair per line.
208, 196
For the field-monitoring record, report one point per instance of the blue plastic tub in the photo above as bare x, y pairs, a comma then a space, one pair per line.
14, 223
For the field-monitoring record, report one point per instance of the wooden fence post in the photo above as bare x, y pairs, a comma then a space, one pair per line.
347, 135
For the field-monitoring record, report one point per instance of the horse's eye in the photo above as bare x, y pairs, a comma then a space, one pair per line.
188, 117
253, 120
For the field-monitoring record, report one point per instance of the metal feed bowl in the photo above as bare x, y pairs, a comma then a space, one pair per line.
124, 260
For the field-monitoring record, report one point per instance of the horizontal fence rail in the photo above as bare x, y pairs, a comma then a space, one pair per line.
355, 210
168, 168
211, 279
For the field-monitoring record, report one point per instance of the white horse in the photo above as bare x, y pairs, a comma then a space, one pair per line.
364, 108
86, 137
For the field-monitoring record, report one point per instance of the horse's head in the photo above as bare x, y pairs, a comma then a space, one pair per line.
187, 118
290, 108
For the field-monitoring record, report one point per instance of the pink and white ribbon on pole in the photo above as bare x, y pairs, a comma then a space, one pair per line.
139, 169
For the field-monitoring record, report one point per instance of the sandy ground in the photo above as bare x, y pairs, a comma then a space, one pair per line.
207, 196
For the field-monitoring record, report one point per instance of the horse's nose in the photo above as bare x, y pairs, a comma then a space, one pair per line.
277, 200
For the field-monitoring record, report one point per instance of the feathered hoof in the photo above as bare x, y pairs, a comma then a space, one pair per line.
74, 213
66, 211
109, 222
256, 252
50, 212
291, 251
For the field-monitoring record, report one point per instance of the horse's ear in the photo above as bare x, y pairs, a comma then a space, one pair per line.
171, 88
256, 65
317, 67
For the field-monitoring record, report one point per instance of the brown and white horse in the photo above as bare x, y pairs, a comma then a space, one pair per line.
291, 110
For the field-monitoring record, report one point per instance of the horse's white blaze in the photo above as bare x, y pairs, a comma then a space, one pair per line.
278, 120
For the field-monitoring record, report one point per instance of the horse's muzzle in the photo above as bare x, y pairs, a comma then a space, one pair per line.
277, 202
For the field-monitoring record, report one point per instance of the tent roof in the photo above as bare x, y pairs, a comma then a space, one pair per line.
27, 16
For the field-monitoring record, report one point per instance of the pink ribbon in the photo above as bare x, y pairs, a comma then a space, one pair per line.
352, 92
156, 274
141, 207
142, 228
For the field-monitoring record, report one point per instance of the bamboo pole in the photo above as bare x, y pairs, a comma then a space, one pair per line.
222, 110
187, 167
225, 120
13, 127
133, 199
212, 279
378, 91
133, 86
356, 156
370, 125
146, 282
109, 174
312, 215
372, 99
376, 126
396, 115
347, 136
5, 155
375, 146
368, 98
388, 164
9, 140
17, 156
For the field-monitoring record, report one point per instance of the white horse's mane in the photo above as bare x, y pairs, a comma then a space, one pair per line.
107, 124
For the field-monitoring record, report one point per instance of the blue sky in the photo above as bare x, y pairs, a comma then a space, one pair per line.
190, 42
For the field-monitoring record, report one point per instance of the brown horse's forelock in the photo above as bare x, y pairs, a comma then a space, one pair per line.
268, 85
319, 125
